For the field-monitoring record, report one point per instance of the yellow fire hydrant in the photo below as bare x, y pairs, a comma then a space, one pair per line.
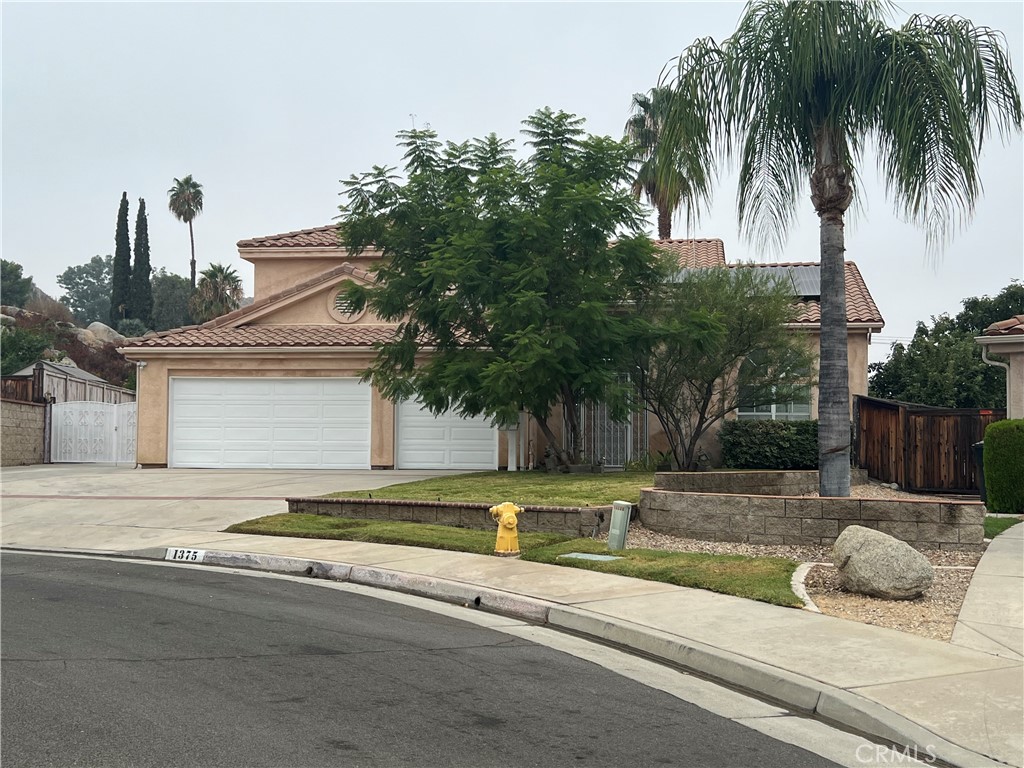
507, 517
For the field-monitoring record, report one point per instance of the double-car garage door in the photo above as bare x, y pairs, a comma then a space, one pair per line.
310, 423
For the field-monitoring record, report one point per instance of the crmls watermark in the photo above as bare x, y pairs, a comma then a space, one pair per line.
876, 754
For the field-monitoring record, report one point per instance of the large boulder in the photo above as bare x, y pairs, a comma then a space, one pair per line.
105, 333
88, 338
873, 563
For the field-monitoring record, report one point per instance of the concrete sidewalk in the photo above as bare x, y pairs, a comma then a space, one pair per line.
962, 702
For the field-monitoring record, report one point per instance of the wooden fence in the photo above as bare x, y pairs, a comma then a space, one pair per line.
16, 389
918, 447
46, 384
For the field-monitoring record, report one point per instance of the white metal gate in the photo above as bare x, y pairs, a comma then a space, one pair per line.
86, 431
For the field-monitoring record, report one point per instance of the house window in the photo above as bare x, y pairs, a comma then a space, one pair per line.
794, 410
797, 409
340, 308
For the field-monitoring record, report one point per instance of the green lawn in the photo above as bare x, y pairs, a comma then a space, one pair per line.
386, 532
523, 488
758, 578
764, 579
996, 525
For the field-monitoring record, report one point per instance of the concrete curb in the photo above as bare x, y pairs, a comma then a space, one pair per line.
799, 692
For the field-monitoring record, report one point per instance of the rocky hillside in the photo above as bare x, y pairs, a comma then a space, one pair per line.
30, 336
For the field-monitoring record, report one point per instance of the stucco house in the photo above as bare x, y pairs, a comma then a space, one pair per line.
275, 384
1006, 338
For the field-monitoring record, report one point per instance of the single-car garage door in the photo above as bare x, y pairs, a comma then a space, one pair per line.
279, 423
448, 441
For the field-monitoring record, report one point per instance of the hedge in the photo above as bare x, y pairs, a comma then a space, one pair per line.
769, 444
1004, 466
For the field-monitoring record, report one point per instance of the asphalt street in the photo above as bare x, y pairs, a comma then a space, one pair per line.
122, 664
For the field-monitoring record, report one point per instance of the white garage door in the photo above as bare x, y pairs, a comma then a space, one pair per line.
280, 423
449, 441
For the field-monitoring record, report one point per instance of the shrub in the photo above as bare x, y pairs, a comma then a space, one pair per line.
22, 347
49, 308
769, 444
1004, 466
132, 328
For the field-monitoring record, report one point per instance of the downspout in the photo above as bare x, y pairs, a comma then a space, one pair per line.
1005, 367
139, 365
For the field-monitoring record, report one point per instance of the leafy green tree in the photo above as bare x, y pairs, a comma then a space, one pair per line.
664, 181
22, 347
15, 290
798, 92
132, 327
185, 201
170, 300
689, 369
503, 270
121, 269
87, 289
219, 291
140, 300
942, 364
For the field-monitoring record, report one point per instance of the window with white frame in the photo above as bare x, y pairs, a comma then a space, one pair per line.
797, 409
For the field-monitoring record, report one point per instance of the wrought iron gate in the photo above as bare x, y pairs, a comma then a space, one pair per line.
87, 431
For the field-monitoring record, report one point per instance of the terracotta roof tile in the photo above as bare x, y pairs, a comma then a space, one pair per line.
701, 252
1012, 327
860, 306
695, 253
318, 237
271, 336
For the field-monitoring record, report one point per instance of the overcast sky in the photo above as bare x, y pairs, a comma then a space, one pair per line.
270, 105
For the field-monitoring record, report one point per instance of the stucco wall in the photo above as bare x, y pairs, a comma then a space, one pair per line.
21, 433
274, 271
313, 310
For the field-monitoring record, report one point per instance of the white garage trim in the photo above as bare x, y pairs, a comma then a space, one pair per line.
282, 423
448, 441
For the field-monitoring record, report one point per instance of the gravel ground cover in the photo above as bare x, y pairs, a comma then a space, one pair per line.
932, 615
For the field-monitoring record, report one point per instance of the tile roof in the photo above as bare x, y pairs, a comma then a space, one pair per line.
1012, 327
701, 252
860, 306
270, 336
318, 237
708, 252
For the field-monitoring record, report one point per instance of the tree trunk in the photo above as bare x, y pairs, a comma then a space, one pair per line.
831, 193
542, 422
664, 223
192, 241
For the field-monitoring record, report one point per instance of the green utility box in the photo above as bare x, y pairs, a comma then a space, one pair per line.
621, 511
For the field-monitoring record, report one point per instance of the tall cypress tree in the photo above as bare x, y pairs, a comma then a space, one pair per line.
140, 300
122, 267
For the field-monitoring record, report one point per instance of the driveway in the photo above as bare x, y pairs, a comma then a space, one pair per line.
111, 508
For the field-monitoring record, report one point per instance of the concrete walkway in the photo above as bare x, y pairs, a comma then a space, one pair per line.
962, 702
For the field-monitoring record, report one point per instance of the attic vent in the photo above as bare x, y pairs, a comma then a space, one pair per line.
340, 308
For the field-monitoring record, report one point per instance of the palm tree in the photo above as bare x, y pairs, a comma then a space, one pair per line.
798, 93
666, 190
219, 291
185, 200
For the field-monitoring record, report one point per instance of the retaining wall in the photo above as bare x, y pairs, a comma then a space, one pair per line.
791, 482
570, 521
22, 428
764, 519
